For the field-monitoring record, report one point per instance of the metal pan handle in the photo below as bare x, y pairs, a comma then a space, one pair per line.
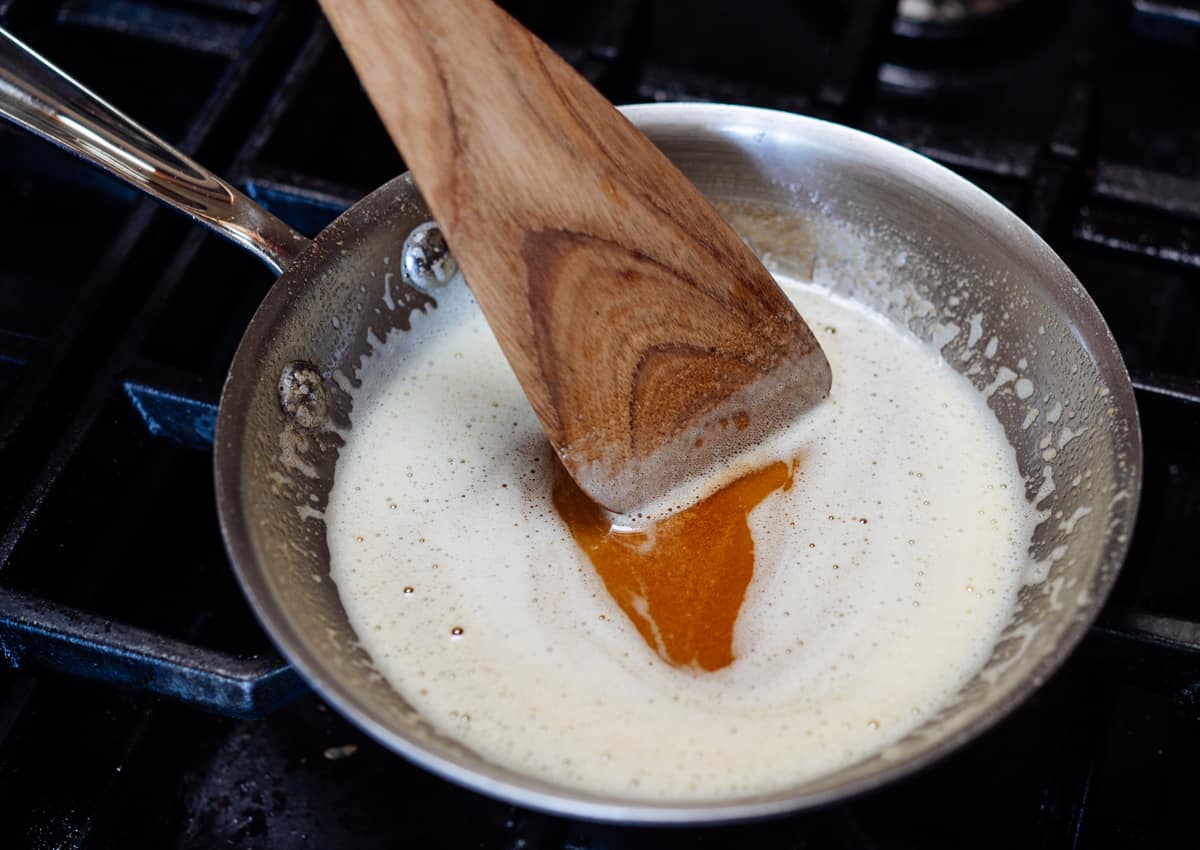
40, 97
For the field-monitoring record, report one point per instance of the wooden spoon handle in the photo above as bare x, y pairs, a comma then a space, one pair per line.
639, 324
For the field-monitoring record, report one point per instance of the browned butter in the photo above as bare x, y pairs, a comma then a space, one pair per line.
681, 580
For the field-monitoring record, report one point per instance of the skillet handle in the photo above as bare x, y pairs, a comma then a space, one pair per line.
43, 99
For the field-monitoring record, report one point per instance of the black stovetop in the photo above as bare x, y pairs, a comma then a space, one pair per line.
118, 320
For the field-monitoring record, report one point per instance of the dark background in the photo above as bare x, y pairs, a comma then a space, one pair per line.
118, 320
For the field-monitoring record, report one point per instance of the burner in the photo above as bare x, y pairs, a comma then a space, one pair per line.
968, 47
950, 18
126, 649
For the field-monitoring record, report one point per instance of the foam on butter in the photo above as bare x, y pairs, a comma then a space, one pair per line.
883, 577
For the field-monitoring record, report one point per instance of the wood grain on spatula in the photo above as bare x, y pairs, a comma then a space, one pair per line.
648, 338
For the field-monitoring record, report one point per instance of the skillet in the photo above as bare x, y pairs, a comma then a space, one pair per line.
869, 219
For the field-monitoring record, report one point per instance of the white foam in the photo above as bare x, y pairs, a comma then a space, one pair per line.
883, 577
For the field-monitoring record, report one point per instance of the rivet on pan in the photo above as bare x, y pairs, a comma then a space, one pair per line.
302, 395
426, 259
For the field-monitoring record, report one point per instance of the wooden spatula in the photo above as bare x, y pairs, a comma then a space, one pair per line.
648, 338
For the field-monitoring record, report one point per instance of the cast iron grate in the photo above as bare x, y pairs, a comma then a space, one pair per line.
118, 320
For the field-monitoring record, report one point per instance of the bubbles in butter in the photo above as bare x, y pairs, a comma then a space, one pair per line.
882, 579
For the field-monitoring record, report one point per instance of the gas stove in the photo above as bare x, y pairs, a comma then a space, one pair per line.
140, 703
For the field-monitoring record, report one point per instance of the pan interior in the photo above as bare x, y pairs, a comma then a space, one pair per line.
816, 201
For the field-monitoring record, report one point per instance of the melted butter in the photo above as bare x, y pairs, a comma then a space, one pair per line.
476, 602
682, 579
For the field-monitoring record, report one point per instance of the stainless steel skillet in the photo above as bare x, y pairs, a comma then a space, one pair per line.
872, 220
